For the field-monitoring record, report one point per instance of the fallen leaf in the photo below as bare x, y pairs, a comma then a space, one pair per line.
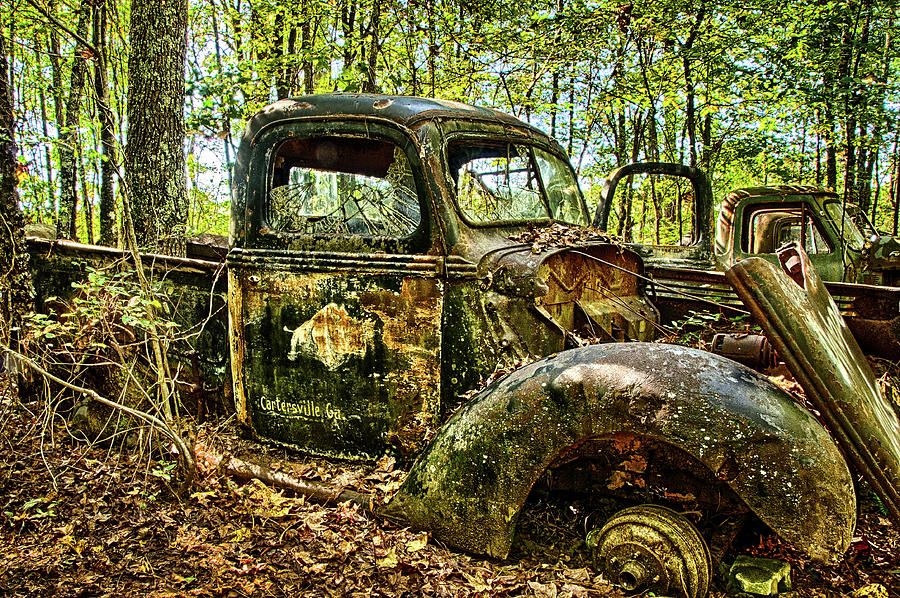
388, 561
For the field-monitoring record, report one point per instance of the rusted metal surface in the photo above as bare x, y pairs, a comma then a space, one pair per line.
470, 485
649, 548
596, 297
753, 350
72, 248
806, 328
196, 291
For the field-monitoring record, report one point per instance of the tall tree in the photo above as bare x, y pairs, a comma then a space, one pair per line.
15, 277
69, 139
154, 154
107, 129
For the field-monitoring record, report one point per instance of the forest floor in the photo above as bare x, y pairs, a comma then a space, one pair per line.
79, 520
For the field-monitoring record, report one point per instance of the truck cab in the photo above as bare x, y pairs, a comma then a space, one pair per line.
841, 242
378, 269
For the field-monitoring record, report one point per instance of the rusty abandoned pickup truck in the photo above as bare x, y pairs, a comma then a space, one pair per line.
383, 263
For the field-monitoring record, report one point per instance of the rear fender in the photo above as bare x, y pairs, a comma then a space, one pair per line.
472, 481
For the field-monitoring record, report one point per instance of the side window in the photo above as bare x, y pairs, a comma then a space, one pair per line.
342, 186
772, 227
654, 209
496, 183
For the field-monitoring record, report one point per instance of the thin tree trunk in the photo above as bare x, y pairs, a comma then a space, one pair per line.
830, 150
895, 183
554, 100
830, 102
109, 159
689, 84
802, 154
877, 137
432, 47
411, 41
571, 139
877, 193
371, 85
226, 123
818, 160
85, 193
48, 158
348, 28
306, 46
56, 74
68, 196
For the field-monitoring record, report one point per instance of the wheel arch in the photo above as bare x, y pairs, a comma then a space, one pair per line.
471, 483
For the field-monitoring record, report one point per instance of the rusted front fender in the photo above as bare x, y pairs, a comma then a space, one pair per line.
471, 483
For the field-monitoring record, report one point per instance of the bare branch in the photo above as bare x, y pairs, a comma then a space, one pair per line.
185, 454
59, 25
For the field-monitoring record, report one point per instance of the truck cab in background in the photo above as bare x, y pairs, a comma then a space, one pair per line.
665, 212
840, 240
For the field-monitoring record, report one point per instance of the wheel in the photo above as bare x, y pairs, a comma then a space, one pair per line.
649, 548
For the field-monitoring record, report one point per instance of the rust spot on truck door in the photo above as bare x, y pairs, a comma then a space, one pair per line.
331, 336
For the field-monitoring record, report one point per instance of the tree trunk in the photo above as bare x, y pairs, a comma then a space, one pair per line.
107, 207
371, 85
691, 123
432, 47
830, 83
878, 118
895, 184
88, 208
854, 107
68, 196
830, 150
16, 294
48, 158
306, 45
281, 63
348, 28
154, 156
226, 123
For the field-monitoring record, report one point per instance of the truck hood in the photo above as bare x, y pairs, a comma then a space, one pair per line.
593, 288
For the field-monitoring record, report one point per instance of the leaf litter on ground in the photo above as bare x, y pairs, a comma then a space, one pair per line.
101, 526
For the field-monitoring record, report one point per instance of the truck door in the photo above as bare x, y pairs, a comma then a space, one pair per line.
335, 289
662, 211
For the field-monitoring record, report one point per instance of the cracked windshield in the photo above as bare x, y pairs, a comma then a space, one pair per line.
342, 186
509, 182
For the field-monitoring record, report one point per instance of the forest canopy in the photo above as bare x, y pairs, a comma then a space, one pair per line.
756, 92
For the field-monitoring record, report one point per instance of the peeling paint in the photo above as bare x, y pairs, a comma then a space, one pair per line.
331, 336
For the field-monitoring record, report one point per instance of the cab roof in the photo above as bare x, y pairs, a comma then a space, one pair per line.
779, 191
404, 110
